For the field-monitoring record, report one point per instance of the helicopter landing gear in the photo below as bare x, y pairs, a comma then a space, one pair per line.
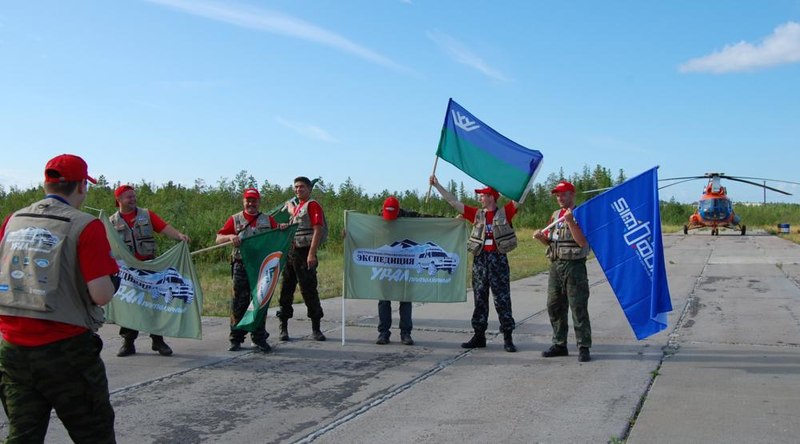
685, 229
744, 229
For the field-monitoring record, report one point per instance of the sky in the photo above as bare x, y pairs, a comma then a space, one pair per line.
178, 90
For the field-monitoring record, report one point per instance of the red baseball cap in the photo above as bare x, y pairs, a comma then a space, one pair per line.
563, 186
391, 208
66, 168
251, 193
490, 191
118, 192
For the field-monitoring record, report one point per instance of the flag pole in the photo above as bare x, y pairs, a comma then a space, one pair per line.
435, 162
214, 247
344, 275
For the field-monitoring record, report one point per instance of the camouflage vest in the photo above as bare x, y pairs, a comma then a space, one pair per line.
562, 245
139, 238
505, 239
305, 231
244, 230
40, 276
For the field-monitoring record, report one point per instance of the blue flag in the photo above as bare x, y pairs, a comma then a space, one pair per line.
486, 155
623, 227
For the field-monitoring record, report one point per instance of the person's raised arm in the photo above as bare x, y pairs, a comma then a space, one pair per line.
447, 195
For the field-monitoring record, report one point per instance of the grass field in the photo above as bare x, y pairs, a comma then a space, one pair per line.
526, 260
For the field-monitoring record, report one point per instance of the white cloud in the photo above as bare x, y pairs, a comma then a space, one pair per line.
779, 48
277, 23
307, 130
460, 53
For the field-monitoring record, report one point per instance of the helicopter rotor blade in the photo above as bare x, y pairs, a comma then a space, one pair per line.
686, 179
758, 185
682, 178
762, 178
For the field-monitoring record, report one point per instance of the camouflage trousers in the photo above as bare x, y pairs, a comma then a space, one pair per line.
67, 376
568, 288
239, 303
297, 272
490, 270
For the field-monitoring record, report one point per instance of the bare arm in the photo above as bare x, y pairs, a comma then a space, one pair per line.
224, 238
311, 260
575, 229
101, 290
447, 195
172, 233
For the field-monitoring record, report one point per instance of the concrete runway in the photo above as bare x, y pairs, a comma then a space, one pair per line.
726, 370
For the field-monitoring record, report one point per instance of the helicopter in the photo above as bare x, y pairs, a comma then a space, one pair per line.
715, 209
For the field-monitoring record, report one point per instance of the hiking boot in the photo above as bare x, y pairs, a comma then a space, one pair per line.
556, 350
382, 339
283, 335
316, 333
161, 347
262, 346
405, 338
127, 348
583, 355
235, 346
508, 343
478, 340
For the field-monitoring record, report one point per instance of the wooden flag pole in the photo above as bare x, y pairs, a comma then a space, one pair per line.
433, 173
214, 247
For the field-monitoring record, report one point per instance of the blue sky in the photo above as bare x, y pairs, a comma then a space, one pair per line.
182, 90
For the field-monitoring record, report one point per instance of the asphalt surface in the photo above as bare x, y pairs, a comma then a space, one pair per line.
726, 370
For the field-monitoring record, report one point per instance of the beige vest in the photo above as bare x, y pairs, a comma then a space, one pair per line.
562, 245
245, 230
305, 231
40, 276
505, 239
139, 238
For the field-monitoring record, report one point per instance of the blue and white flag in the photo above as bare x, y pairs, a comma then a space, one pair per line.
623, 227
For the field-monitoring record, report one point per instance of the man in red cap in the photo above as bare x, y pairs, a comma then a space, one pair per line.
242, 225
53, 255
135, 227
568, 285
491, 238
391, 210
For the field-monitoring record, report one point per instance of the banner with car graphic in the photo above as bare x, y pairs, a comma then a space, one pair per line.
160, 296
406, 259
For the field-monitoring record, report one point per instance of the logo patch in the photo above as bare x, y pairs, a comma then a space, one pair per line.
41, 263
268, 277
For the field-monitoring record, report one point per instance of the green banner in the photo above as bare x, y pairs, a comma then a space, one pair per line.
263, 256
407, 259
160, 296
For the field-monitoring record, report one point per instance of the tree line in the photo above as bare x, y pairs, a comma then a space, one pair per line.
202, 209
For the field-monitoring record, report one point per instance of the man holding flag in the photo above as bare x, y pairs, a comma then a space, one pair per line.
241, 225
136, 227
491, 238
568, 285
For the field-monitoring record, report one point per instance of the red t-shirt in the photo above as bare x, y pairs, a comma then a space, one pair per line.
94, 259
156, 221
314, 212
471, 212
230, 227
